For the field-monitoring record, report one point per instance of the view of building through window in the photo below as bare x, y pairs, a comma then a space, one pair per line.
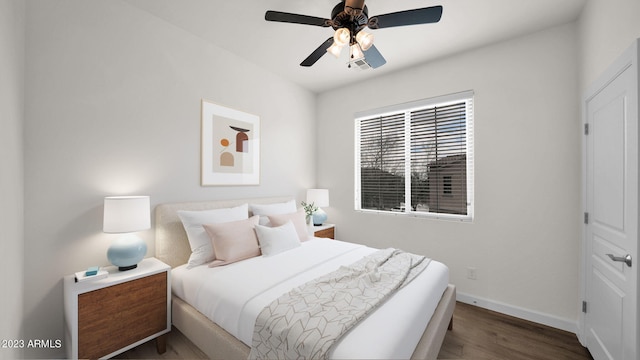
417, 160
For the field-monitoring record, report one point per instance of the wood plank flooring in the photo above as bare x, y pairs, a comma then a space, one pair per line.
481, 334
477, 334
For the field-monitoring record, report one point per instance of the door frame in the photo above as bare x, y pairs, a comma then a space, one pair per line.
627, 60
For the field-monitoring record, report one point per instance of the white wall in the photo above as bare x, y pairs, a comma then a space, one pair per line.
113, 98
525, 238
607, 28
12, 52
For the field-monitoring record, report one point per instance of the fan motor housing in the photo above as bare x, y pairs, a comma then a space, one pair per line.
354, 7
341, 18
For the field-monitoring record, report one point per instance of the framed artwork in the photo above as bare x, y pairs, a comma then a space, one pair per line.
230, 146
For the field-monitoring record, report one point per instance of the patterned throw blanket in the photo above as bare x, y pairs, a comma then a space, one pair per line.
307, 321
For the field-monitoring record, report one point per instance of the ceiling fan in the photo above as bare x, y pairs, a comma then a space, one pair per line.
348, 19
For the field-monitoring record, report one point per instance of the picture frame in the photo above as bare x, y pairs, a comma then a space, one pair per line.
230, 146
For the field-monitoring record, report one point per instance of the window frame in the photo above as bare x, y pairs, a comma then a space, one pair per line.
407, 109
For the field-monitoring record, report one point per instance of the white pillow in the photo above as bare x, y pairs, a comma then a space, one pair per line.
265, 210
274, 240
201, 248
298, 220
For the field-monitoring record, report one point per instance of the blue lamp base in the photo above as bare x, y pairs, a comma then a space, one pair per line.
319, 217
126, 252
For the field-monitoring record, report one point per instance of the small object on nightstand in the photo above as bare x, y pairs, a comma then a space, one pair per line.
319, 198
92, 271
126, 214
82, 275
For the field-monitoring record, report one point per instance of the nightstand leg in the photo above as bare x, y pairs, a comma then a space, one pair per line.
161, 343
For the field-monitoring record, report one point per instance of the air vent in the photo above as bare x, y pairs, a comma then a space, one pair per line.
360, 63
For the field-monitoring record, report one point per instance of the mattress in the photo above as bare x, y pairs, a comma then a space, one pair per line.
232, 296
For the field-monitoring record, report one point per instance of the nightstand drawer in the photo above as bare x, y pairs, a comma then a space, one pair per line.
325, 233
115, 316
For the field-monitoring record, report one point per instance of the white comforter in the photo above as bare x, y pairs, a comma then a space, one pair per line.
233, 296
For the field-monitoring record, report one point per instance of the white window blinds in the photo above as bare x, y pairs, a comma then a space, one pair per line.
417, 158
382, 153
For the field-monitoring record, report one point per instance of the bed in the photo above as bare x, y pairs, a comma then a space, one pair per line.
172, 247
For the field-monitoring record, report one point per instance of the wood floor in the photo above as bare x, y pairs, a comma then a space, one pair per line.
481, 334
477, 334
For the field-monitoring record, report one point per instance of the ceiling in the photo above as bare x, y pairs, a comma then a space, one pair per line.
240, 28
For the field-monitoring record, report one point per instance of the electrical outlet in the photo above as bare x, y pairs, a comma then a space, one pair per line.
471, 273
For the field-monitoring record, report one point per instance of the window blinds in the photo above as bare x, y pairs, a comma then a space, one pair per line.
382, 164
418, 160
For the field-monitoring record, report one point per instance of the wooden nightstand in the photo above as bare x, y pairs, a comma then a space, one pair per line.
325, 231
105, 317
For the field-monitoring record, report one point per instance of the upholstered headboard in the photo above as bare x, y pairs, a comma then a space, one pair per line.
172, 245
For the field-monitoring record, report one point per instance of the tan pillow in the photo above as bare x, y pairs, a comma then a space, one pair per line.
233, 241
298, 220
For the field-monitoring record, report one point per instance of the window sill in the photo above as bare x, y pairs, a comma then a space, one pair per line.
430, 216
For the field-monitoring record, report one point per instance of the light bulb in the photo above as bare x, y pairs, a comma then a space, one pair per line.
335, 49
342, 36
356, 52
365, 40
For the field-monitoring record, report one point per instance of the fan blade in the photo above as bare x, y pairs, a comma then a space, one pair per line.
373, 57
407, 17
295, 18
317, 54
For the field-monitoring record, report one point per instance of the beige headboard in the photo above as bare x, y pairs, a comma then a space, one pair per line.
172, 245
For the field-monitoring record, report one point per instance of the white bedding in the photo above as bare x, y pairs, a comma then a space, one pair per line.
233, 295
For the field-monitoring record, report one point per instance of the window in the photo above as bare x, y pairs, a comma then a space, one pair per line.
417, 158
446, 185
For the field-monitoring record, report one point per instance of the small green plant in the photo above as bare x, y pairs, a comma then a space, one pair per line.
309, 209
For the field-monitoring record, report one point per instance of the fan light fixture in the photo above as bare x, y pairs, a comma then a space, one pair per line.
356, 53
365, 40
335, 50
348, 19
341, 38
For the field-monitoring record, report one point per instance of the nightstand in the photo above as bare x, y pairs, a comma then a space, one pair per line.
325, 231
105, 317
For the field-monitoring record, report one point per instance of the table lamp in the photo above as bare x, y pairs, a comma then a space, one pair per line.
320, 198
126, 215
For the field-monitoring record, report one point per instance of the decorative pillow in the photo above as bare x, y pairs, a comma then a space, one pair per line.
201, 249
265, 210
233, 241
298, 220
274, 240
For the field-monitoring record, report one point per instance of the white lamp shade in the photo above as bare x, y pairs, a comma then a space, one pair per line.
365, 40
123, 214
342, 36
319, 197
356, 52
334, 49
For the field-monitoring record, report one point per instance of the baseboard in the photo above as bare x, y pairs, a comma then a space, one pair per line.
522, 313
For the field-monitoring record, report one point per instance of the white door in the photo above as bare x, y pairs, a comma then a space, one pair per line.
611, 233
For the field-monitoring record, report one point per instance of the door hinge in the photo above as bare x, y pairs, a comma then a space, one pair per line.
584, 307
586, 218
586, 129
